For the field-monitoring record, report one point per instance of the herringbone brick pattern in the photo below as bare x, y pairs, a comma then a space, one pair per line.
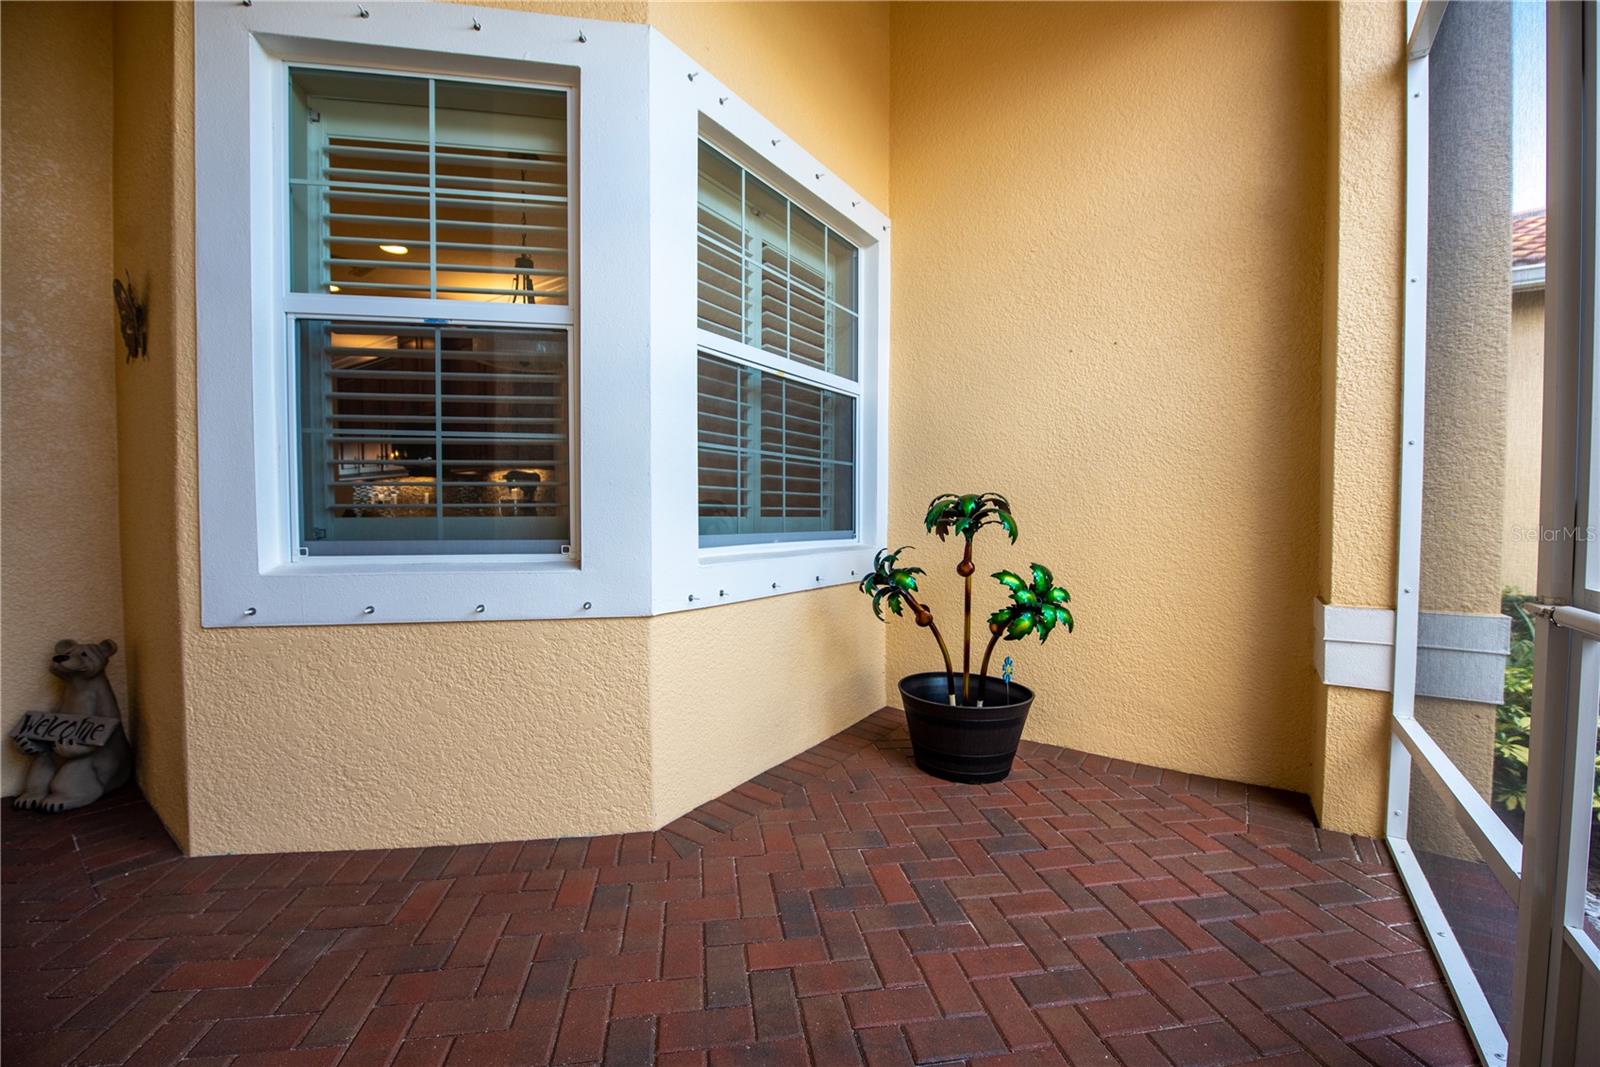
841, 909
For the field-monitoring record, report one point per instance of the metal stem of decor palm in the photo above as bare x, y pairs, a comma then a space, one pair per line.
889, 583
966, 514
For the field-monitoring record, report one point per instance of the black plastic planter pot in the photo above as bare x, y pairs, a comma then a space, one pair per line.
962, 742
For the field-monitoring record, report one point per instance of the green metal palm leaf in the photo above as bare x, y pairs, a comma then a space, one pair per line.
889, 583
965, 515
1037, 605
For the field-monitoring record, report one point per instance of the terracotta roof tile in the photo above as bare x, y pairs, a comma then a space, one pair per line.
1527, 238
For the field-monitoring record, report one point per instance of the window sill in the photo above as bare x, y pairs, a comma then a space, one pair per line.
408, 565
778, 550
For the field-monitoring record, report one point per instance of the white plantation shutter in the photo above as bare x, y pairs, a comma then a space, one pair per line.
777, 449
770, 274
722, 258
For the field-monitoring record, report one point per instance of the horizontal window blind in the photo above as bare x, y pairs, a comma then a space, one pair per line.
776, 458
418, 439
421, 187
770, 274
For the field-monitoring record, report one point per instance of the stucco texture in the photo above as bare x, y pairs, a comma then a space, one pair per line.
1111, 230
152, 199
1469, 311
352, 737
366, 736
1108, 280
819, 71
1361, 359
1519, 564
1469, 361
61, 575
738, 689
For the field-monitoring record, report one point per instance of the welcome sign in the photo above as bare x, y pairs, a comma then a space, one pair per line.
53, 729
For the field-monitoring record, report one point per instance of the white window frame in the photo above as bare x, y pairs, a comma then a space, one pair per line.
642, 106
742, 354
317, 305
250, 574
1557, 973
688, 104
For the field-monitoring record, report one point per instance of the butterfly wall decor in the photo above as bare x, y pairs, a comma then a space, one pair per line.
133, 312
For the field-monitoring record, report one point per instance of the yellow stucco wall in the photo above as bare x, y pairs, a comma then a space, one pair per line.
1361, 356
1519, 560
1137, 227
736, 690
345, 737
61, 575
153, 197
1108, 242
819, 71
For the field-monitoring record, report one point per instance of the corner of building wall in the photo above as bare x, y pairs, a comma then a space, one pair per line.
152, 52
1356, 762
818, 71
1317, 788
737, 689
1360, 412
63, 559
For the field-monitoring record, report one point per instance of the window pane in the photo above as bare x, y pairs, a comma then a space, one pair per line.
771, 274
843, 330
722, 258
418, 440
463, 198
766, 227
358, 177
808, 308
501, 161
842, 257
777, 458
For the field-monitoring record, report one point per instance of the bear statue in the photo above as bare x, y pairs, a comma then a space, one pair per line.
65, 776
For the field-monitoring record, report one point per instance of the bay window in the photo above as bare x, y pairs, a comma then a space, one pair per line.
508, 316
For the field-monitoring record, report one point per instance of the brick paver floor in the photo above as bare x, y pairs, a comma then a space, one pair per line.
843, 908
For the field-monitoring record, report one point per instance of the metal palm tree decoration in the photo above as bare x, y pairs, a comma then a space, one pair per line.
965, 515
891, 584
1037, 605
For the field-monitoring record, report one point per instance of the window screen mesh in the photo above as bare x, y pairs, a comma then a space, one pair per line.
420, 187
419, 439
777, 457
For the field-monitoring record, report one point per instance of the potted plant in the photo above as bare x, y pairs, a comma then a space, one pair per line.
957, 732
